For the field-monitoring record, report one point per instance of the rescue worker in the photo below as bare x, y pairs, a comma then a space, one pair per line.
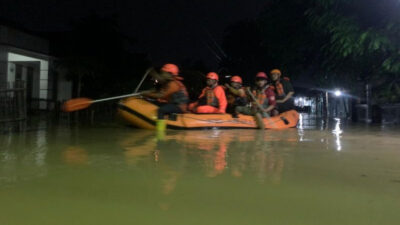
235, 94
283, 90
212, 98
172, 96
264, 95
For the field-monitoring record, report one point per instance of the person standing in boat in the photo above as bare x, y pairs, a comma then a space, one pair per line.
235, 94
212, 98
172, 95
264, 95
283, 90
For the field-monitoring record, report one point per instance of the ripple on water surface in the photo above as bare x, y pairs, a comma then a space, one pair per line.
115, 175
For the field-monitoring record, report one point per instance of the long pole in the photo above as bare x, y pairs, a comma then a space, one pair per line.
143, 78
327, 103
368, 118
259, 106
117, 97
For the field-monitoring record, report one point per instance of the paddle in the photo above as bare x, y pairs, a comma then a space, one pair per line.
82, 103
257, 115
261, 108
143, 78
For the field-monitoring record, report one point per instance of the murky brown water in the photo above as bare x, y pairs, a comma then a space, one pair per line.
115, 175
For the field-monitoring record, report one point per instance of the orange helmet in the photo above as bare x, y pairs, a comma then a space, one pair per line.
212, 76
236, 79
261, 75
171, 68
275, 71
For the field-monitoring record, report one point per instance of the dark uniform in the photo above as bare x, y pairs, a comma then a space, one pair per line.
281, 89
176, 98
235, 100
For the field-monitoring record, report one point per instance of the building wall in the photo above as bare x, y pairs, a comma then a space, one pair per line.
339, 107
64, 89
11, 70
3, 65
40, 78
36, 83
23, 40
21, 48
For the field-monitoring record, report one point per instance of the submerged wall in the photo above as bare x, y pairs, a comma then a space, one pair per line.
390, 114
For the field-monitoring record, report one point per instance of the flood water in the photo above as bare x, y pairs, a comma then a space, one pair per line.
110, 174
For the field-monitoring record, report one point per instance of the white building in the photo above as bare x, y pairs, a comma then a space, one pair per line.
24, 56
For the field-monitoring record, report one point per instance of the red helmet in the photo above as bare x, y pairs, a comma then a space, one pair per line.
275, 71
261, 75
212, 76
236, 79
171, 68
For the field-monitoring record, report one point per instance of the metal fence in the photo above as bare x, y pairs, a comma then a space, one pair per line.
12, 102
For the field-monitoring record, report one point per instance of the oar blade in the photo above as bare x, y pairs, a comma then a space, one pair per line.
76, 104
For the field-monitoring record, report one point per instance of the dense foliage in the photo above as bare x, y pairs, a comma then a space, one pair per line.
323, 43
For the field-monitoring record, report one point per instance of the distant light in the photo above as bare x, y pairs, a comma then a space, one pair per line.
300, 99
338, 93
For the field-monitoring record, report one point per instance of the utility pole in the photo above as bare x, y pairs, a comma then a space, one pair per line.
368, 118
327, 103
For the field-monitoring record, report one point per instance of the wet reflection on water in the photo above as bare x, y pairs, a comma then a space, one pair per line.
115, 175
75, 155
214, 151
338, 132
41, 146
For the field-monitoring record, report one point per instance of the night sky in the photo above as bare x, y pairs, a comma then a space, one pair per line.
169, 30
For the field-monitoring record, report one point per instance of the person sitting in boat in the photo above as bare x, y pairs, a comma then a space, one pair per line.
212, 98
283, 90
264, 95
235, 94
172, 95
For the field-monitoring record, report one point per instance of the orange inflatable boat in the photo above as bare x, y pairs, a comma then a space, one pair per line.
143, 114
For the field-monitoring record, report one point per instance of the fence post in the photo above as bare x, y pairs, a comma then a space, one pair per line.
12, 102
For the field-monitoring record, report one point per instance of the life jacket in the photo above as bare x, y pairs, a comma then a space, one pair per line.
180, 97
261, 96
236, 100
278, 87
209, 97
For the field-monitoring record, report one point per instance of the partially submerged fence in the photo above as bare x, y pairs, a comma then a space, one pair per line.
13, 102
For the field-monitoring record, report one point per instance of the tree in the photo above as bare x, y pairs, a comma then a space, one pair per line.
363, 41
322, 43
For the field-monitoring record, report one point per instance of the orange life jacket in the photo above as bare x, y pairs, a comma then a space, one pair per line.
261, 97
178, 97
278, 87
208, 97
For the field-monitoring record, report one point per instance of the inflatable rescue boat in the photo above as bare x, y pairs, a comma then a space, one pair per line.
143, 114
